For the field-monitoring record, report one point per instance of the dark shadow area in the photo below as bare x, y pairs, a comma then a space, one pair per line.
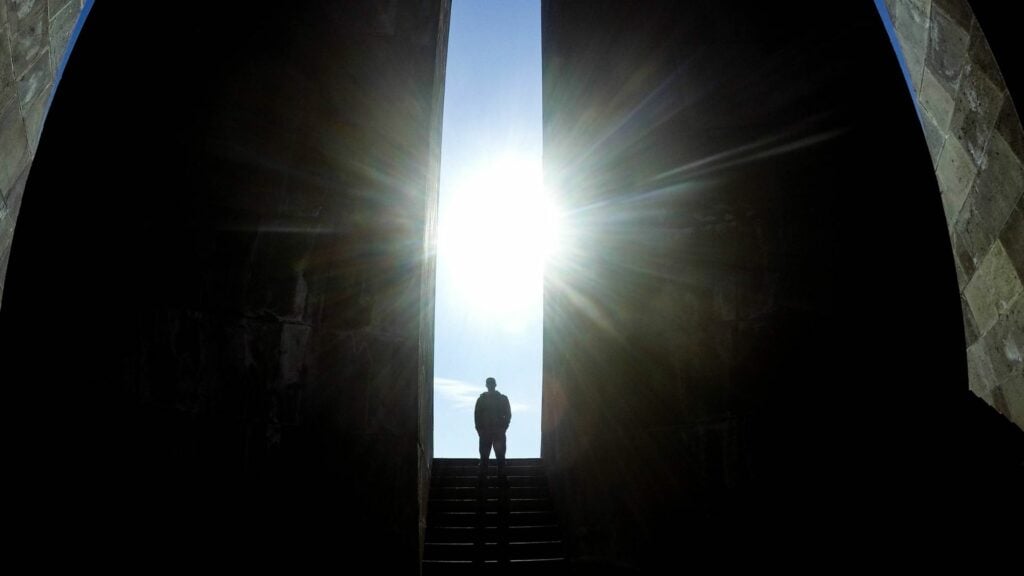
757, 349
213, 321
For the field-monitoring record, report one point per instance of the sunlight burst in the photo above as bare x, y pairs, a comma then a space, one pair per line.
496, 236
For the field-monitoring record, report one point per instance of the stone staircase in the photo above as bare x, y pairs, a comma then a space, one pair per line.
491, 525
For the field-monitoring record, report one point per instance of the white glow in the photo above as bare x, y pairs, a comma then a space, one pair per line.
496, 235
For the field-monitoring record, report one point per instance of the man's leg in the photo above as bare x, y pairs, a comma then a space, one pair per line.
485, 452
499, 451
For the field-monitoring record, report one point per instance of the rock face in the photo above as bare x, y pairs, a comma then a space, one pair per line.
757, 322
223, 274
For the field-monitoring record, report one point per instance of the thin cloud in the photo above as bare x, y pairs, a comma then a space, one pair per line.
463, 395
460, 394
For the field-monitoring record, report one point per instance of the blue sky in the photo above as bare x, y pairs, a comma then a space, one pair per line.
490, 252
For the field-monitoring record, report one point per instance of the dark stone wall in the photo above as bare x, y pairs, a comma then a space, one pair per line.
753, 340
217, 321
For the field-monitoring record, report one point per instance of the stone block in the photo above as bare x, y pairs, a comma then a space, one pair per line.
923, 6
6, 232
7, 81
913, 56
13, 147
1002, 170
947, 49
16, 192
1013, 394
1009, 127
21, 8
977, 107
35, 115
6, 237
970, 326
62, 24
992, 198
980, 378
1004, 343
1012, 237
962, 277
999, 400
955, 172
53, 7
978, 225
911, 23
937, 100
964, 258
914, 59
958, 10
35, 81
30, 33
970, 240
980, 57
933, 136
993, 288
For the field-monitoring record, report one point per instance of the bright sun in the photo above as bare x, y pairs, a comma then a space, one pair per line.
495, 237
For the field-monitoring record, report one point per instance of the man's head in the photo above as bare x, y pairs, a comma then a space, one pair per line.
491, 383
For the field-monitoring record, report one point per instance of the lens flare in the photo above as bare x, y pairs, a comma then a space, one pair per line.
496, 236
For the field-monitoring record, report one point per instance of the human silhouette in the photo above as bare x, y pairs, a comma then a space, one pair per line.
492, 416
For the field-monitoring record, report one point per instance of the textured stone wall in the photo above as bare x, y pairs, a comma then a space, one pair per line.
239, 279
744, 352
33, 38
976, 142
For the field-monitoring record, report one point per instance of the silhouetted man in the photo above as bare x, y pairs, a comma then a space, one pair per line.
492, 416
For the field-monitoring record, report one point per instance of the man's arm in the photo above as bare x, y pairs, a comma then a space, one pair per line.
477, 413
506, 411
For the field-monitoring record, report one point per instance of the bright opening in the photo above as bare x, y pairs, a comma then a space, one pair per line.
495, 226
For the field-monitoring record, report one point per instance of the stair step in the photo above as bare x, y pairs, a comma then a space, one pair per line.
538, 567
473, 461
473, 480
526, 533
473, 470
489, 550
489, 519
459, 492
490, 504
